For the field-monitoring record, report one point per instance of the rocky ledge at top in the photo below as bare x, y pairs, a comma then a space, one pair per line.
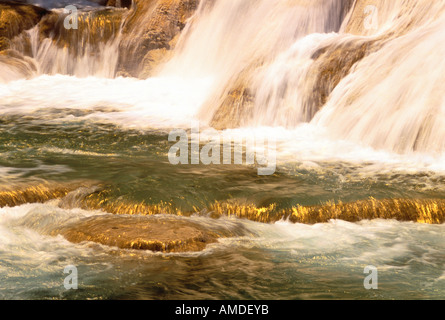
149, 29
48, 4
15, 18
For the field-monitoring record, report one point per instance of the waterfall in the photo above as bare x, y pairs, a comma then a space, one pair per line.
393, 98
122, 40
91, 50
275, 63
231, 40
283, 63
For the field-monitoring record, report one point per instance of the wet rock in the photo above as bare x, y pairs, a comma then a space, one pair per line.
334, 61
40, 193
151, 26
15, 18
4, 43
145, 34
428, 211
159, 234
331, 65
94, 28
234, 107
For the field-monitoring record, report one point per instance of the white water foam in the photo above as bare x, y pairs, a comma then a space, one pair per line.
22, 227
160, 103
213, 49
152, 103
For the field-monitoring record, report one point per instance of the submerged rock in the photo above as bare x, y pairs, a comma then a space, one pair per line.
40, 193
90, 195
159, 234
428, 211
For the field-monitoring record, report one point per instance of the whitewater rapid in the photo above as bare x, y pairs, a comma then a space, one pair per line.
390, 101
168, 103
32, 264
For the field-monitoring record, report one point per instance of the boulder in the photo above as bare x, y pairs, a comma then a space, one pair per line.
155, 233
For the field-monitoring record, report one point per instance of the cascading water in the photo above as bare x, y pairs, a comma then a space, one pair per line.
92, 50
306, 67
270, 65
350, 89
275, 61
231, 40
393, 99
